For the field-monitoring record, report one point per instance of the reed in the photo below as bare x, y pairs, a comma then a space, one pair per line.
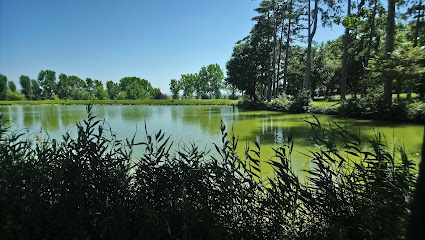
95, 187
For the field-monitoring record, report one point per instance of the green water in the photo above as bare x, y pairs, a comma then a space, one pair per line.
201, 125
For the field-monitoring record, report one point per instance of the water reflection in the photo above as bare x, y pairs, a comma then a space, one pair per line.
28, 116
70, 115
5, 112
201, 124
135, 113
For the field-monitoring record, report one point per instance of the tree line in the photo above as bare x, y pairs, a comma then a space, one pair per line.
72, 87
206, 84
380, 50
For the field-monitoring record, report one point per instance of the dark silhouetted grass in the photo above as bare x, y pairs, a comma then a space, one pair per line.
95, 187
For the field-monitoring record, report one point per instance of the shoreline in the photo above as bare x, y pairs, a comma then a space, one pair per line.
125, 102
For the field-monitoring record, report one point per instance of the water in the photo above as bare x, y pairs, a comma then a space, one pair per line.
201, 125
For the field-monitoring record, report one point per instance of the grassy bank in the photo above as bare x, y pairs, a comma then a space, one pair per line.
125, 102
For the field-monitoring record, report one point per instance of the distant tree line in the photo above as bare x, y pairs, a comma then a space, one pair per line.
72, 87
382, 48
206, 84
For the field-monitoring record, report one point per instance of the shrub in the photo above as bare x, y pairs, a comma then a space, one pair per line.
300, 103
15, 96
332, 109
159, 95
416, 112
369, 106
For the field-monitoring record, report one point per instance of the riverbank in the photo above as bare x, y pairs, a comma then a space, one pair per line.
367, 108
126, 102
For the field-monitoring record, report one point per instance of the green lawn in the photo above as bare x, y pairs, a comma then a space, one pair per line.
126, 102
323, 103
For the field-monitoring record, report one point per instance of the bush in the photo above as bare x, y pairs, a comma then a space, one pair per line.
15, 96
251, 104
300, 103
91, 187
369, 106
332, 109
416, 112
159, 95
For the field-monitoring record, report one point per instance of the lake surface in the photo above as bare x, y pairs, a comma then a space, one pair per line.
201, 125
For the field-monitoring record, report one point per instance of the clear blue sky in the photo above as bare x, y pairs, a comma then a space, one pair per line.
109, 39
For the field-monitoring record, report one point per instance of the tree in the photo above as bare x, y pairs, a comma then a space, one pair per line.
136, 88
100, 93
243, 71
3, 87
175, 88
345, 55
113, 89
187, 83
215, 80
201, 83
326, 8
26, 88
389, 48
36, 89
47, 81
12, 86
417, 11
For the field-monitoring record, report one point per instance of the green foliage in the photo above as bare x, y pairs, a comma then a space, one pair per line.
122, 96
36, 90
14, 96
113, 89
416, 112
100, 93
93, 187
47, 82
175, 88
300, 103
136, 88
79, 94
26, 88
187, 83
12, 86
370, 106
3, 87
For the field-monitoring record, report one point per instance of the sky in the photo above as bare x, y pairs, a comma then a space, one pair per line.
157, 40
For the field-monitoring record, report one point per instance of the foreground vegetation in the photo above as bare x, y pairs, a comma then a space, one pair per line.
94, 187
126, 102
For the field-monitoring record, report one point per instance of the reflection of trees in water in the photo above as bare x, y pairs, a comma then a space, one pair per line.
5, 112
50, 117
27, 112
100, 111
70, 115
207, 117
112, 112
273, 130
135, 113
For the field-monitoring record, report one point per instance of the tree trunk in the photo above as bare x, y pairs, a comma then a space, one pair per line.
369, 46
278, 61
343, 89
288, 37
311, 33
415, 44
389, 48
273, 77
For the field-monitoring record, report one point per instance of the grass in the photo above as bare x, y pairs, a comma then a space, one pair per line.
324, 103
91, 187
126, 102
